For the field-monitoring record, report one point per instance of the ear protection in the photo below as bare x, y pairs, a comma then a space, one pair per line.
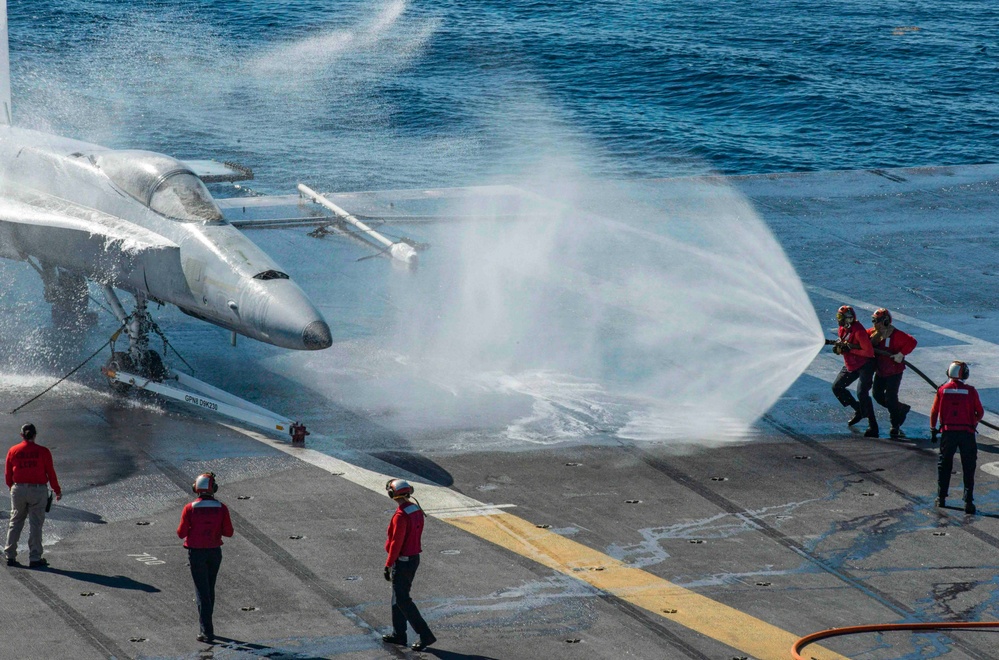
846, 313
205, 483
882, 315
398, 488
958, 370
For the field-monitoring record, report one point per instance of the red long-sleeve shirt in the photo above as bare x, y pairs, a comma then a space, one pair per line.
857, 357
204, 522
958, 407
897, 342
404, 532
30, 463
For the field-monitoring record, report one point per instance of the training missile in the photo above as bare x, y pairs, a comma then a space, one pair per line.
400, 251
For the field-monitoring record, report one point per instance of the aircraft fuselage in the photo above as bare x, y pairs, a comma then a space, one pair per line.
143, 222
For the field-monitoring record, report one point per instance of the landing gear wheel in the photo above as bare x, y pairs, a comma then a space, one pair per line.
152, 366
120, 362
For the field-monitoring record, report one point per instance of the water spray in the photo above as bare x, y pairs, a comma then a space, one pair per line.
71, 372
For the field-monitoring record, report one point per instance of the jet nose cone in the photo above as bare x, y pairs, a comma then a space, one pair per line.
286, 317
317, 336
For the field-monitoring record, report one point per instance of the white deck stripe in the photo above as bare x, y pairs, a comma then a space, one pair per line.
437, 501
940, 330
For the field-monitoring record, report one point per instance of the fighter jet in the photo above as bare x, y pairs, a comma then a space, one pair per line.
143, 223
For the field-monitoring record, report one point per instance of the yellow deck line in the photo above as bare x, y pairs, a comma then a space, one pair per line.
720, 622
661, 597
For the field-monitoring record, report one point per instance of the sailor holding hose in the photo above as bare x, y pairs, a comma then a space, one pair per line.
891, 345
854, 344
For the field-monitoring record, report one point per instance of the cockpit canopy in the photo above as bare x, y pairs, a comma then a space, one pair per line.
162, 183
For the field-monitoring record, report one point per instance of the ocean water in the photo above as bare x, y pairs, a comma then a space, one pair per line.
350, 94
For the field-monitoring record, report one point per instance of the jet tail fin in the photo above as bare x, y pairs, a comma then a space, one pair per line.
4, 67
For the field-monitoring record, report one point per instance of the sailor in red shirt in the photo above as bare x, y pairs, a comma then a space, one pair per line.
28, 472
959, 409
203, 523
891, 345
854, 345
403, 548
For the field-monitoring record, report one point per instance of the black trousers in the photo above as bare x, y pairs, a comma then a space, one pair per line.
886, 394
205, 563
863, 402
950, 443
403, 607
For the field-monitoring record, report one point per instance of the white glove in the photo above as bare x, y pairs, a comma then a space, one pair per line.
898, 357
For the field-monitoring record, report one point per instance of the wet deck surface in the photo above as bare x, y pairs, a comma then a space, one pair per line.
801, 532
803, 527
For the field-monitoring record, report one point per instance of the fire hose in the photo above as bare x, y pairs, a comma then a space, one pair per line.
884, 627
881, 627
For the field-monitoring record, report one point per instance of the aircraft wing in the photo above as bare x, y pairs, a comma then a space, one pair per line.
212, 171
101, 246
393, 206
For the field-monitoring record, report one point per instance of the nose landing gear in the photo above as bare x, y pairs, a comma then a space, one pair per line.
139, 358
142, 369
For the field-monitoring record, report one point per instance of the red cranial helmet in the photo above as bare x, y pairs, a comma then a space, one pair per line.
846, 314
205, 484
958, 370
881, 316
398, 488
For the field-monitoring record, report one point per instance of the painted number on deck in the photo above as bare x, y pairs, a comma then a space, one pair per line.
147, 559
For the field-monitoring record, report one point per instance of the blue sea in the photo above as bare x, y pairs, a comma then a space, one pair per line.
348, 94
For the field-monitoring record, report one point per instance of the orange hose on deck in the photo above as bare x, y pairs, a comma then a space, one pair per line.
853, 630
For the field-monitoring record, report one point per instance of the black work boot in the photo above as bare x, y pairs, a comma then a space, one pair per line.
904, 408
896, 433
969, 503
394, 639
872, 432
941, 500
425, 641
858, 415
